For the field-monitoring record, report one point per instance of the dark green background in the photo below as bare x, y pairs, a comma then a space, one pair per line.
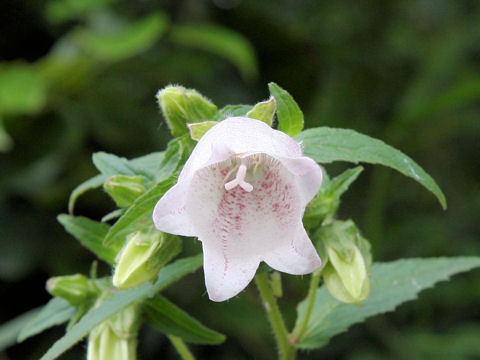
407, 72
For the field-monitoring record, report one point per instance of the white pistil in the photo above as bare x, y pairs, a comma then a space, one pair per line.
239, 180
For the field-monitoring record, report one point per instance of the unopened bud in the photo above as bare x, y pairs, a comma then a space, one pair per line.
142, 257
123, 189
347, 273
116, 337
75, 289
181, 106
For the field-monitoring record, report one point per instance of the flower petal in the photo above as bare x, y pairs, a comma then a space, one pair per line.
296, 255
169, 214
308, 175
226, 276
241, 136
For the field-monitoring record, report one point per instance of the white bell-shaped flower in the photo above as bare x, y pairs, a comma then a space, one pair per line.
243, 192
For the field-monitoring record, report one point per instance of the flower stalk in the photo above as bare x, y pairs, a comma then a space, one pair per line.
285, 347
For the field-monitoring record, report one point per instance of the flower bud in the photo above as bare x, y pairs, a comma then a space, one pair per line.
75, 289
181, 106
123, 189
142, 257
116, 337
347, 273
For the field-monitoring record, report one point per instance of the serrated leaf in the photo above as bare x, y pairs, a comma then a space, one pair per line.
138, 216
231, 111
219, 41
326, 145
55, 312
90, 234
392, 283
169, 319
121, 299
92, 183
290, 117
9, 330
123, 43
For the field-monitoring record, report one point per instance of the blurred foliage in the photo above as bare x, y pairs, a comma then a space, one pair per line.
77, 77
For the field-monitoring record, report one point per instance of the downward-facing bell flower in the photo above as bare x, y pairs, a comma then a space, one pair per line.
243, 192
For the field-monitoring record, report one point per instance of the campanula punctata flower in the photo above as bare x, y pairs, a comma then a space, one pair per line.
243, 192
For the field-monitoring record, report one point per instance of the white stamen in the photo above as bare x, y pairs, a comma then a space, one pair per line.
239, 180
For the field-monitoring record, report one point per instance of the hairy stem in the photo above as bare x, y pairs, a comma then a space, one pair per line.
302, 324
285, 348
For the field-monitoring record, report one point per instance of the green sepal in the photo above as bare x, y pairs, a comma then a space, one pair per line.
181, 106
124, 189
197, 130
264, 111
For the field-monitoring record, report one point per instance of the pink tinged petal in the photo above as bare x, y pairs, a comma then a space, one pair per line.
239, 136
225, 276
169, 214
296, 255
240, 228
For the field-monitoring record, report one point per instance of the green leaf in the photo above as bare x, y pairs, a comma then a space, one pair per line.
92, 183
58, 11
139, 215
326, 145
22, 89
9, 330
391, 284
125, 42
90, 234
326, 202
120, 300
169, 319
290, 117
219, 41
149, 164
109, 164
178, 151
232, 110
55, 312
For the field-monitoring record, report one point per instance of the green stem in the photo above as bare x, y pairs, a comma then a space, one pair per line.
285, 348
181, 348
301, 328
